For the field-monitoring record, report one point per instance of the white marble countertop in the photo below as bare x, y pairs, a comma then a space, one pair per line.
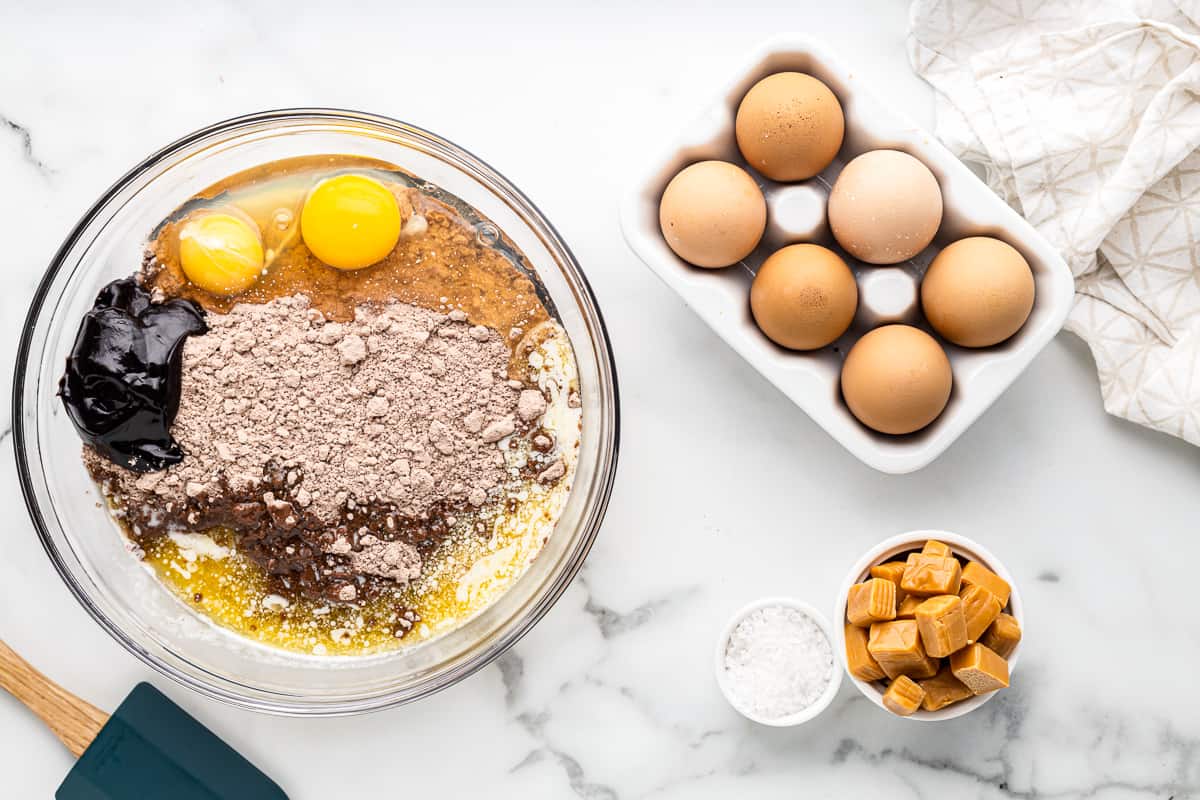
726, 491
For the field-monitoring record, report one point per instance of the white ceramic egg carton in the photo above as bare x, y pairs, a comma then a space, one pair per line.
886, 294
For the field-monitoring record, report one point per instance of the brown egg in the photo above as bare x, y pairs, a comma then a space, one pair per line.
885, 207
803, 297
712, 214
789, 126
896, 379
978, 292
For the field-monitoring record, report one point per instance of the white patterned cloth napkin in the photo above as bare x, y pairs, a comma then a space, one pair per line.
1085, 116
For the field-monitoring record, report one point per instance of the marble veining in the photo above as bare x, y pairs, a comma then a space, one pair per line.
26, 140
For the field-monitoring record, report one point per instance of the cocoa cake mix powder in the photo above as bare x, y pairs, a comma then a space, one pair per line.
288, 417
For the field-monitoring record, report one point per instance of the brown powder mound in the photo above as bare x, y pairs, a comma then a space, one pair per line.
401, 406
397, 561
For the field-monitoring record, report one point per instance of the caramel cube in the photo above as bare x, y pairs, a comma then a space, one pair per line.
980, 607
942, 624
977, 574
943, 689
859, 660
979, 669
928, 575
1003, 636
925, 669
908, 607
873, 600
903, 697
891, 571
935, 548
897, 647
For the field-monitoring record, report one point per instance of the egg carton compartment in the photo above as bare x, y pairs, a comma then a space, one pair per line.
887, 294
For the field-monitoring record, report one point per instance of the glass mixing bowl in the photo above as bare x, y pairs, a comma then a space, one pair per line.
83, 542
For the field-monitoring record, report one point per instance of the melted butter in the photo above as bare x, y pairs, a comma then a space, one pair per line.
232, 592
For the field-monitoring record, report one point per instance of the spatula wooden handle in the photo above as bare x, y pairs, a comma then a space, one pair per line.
75, 722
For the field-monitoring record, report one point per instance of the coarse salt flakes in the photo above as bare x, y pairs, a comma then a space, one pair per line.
778, 662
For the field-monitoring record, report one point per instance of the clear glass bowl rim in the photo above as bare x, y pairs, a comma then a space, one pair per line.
609, 446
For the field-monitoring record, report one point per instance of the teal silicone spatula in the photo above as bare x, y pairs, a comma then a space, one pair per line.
148, 748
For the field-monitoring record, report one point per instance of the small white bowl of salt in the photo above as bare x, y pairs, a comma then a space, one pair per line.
775, 662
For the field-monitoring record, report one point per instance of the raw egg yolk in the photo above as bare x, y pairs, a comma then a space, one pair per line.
350, 221
221, 253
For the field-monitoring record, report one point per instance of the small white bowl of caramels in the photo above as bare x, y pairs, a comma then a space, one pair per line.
931, 625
